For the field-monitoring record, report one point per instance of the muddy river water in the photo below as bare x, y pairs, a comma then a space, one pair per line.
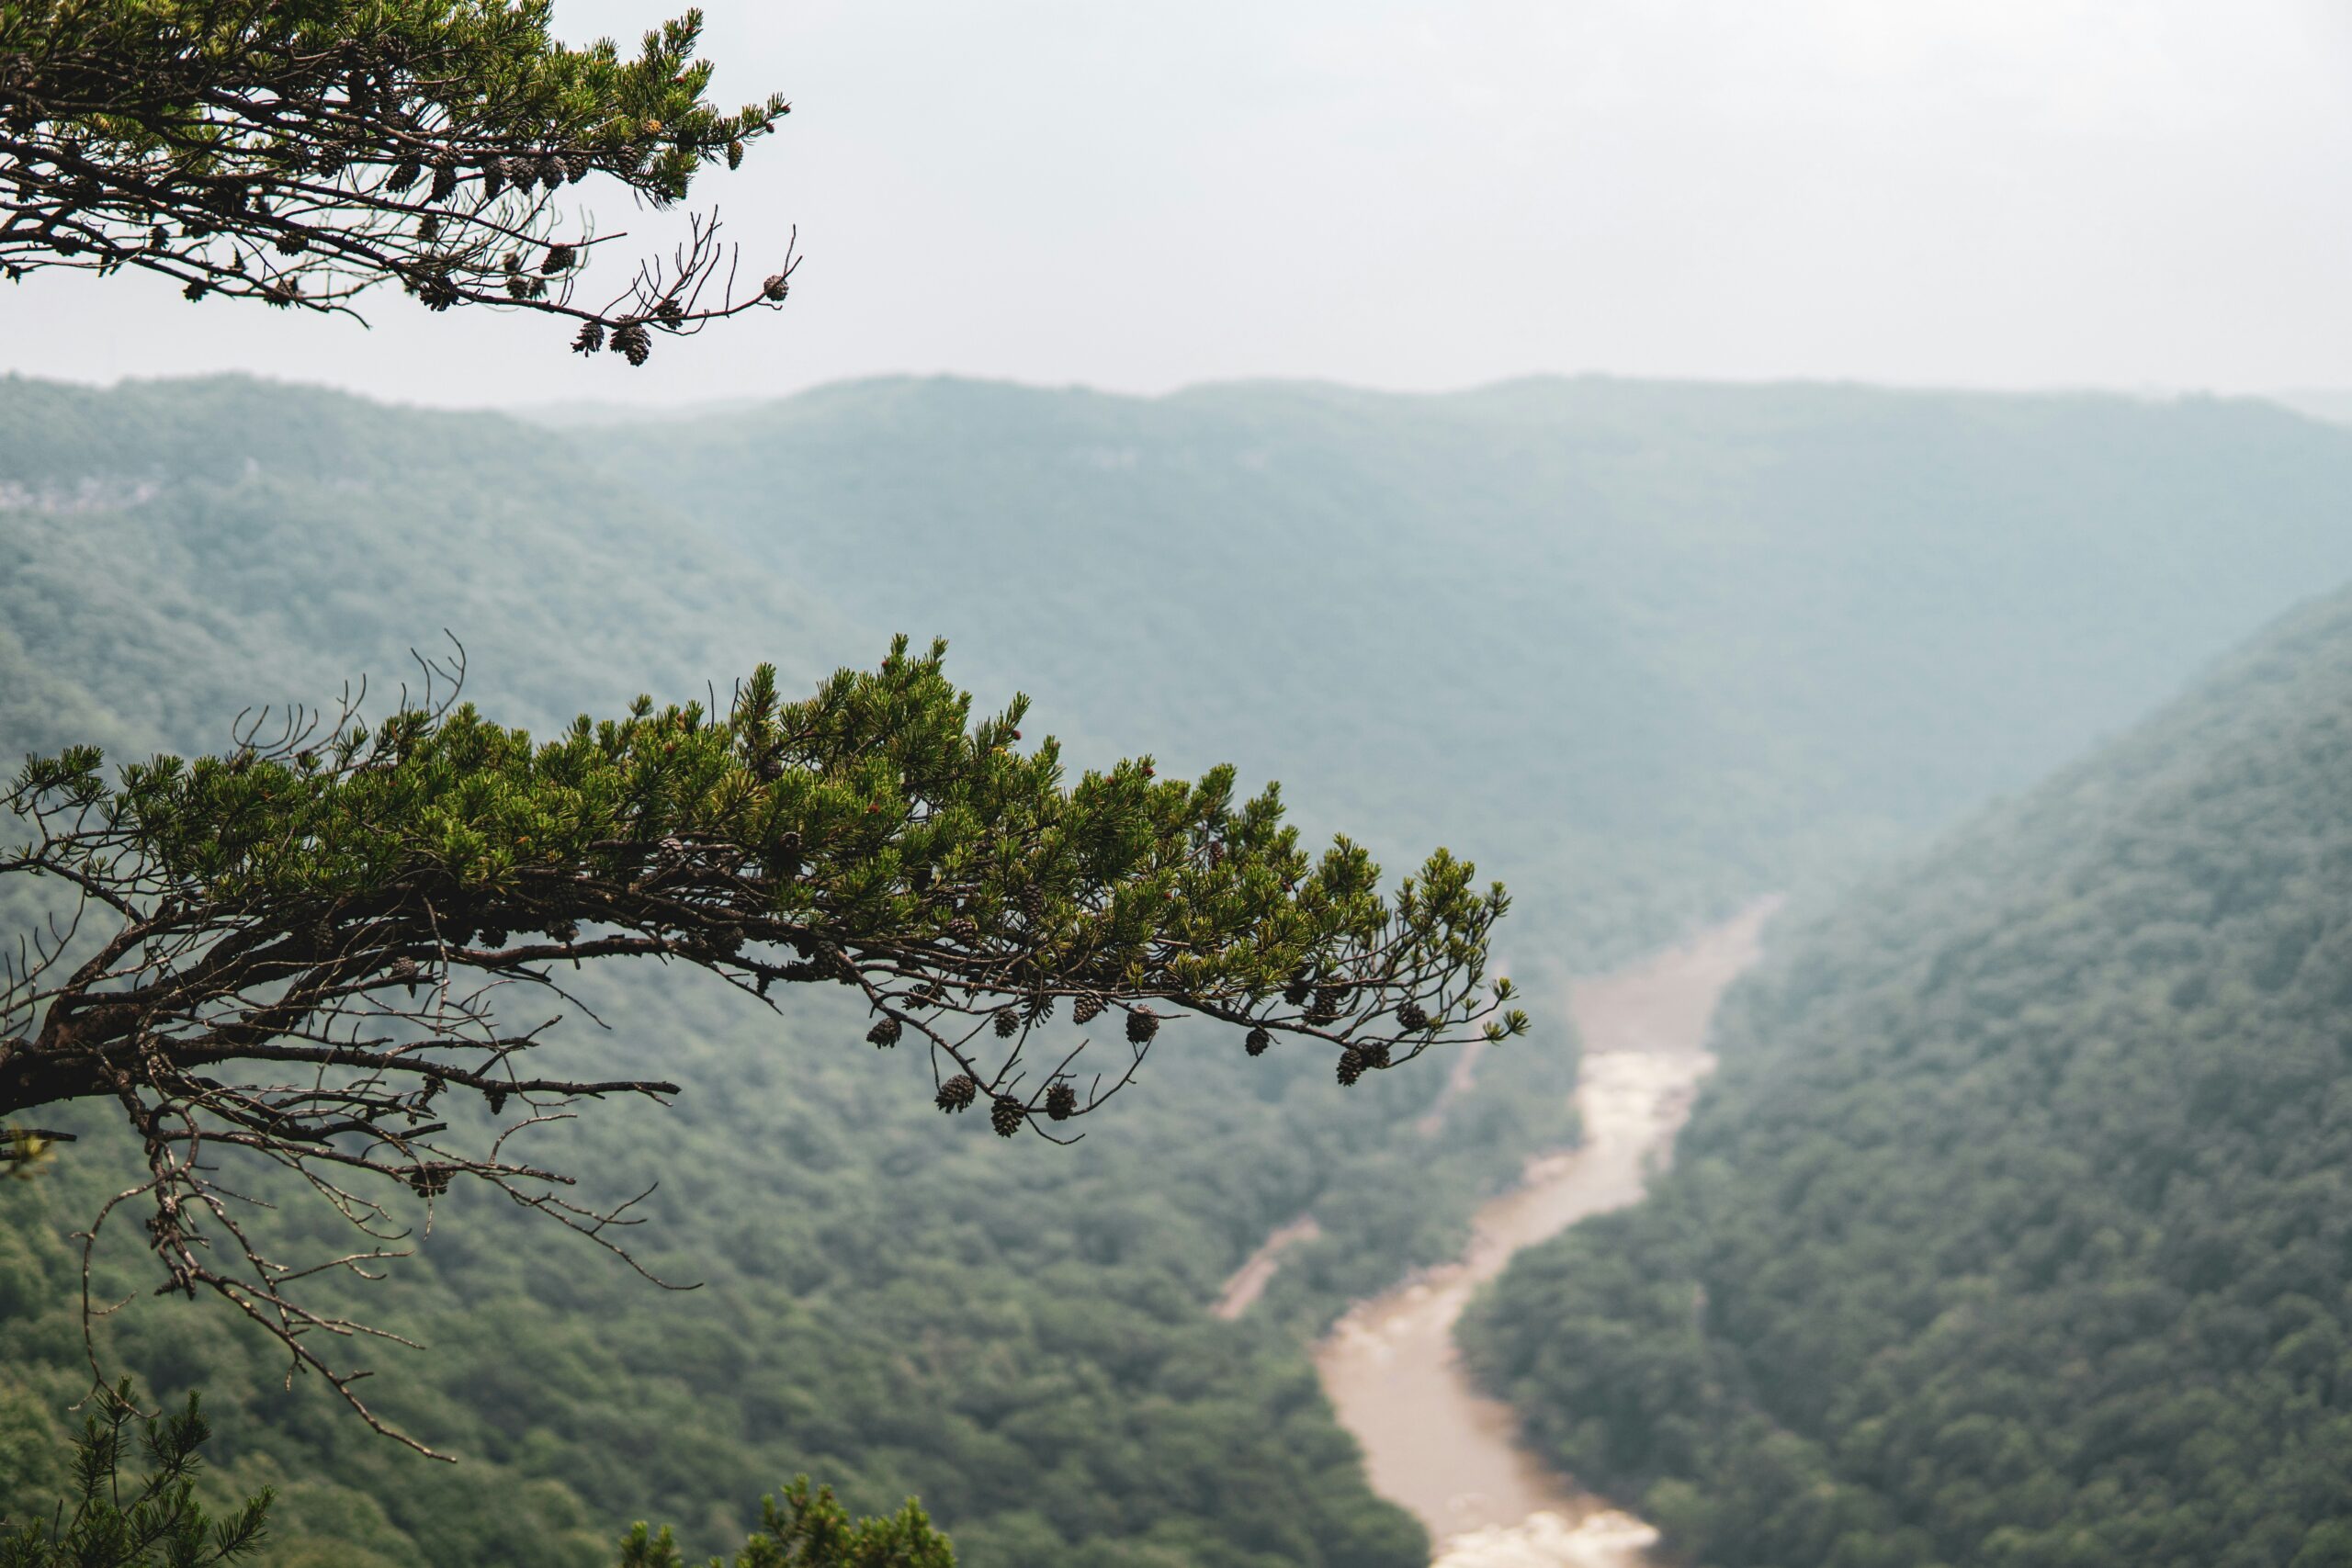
1431, 1441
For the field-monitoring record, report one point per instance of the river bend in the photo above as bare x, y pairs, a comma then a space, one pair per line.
1431, 1441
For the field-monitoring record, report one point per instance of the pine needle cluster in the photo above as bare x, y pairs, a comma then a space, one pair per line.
300, 154
296, 947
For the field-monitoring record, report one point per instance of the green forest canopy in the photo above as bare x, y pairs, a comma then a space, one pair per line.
299, 154
1353, 593
2017, 1228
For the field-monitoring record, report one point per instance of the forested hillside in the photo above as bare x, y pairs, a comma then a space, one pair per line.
1657, 646
2018, 1226
172, 552
891, 1301
1639, 650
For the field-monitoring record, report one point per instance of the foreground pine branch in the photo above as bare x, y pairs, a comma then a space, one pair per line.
115, 1520
811, 1530
295, 950
119, 1521
302, 154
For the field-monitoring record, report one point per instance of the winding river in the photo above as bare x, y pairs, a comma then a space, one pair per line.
1431, 1441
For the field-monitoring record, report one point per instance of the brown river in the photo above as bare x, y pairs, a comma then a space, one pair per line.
1431, 1441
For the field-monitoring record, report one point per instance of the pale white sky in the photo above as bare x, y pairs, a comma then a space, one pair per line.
1142, 194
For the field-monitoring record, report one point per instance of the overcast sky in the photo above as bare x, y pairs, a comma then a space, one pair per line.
1144, 194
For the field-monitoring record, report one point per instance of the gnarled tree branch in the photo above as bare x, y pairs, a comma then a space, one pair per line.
300, 154
308, 934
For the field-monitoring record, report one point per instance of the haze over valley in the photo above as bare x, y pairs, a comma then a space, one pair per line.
1649, 652
1209, 785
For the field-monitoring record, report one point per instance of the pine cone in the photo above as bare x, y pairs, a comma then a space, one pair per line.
1007, 1115
1350, 1067
1295, 993
1411, 1017
1374, 1053
550, 170
631, 339
1141, 1027
1008, 1023
777, 288
430, 1180
1257, 1041
558, 258
670, 311
958, 1093
576, 166
1085, 1009
734, 154
497, 1098
884, 1034
1326, 1006
493, 177
1061, 1102
445, 180
404, 175
291, 242
591, 338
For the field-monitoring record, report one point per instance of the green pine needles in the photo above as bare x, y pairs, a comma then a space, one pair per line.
114, 1520
295, 948
812, 1531
118, 1521
301, 151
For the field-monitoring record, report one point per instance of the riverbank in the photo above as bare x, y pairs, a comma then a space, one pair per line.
1431, 1441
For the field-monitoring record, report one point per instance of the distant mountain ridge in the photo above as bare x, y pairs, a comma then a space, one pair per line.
1772, 621
1641, 650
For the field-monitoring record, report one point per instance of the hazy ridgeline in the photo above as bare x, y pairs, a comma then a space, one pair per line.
1641, 650
1644, 648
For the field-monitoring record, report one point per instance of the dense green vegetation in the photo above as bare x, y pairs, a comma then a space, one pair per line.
1013, 1332
134, 1504
1076, 1405
2018, 1228
119, 1517
301, 155
1641, 650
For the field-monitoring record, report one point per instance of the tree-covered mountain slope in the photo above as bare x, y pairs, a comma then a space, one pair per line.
1638, 650
1657, 646
174, 551
2018, 1226
893, 1300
